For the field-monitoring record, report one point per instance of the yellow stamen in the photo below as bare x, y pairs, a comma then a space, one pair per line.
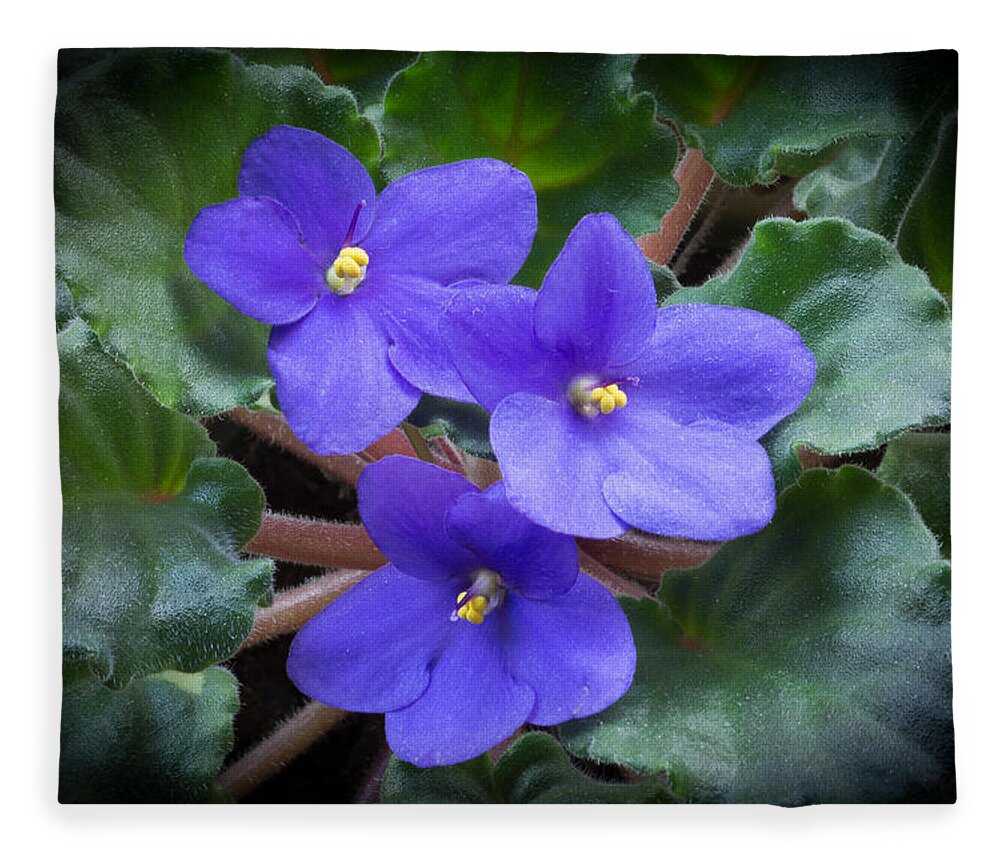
620, 398
478, 603
345, 267
607, 404
597, 394
357, 254
347, 271
473, 616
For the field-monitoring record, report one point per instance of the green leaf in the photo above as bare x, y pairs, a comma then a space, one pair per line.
756, 118
880, 332
144, 140
64, 305
920, 465
364, 73
152, 527
809, 663
469, 782
903, 188
535, 769
161, 739
466, 424
569, 121
664, 280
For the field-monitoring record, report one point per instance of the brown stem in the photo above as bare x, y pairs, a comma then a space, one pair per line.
694, 176
646, 556
447, 454
372, 788
616, 584
292, 738
481, 472
394, 442
315, 542
294, 607
274, 429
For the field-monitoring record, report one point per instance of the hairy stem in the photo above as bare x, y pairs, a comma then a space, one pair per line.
694, 176
315, 542
274, 429
647, 556
292, 738
294, 607
394, 442
371, 789
617, 585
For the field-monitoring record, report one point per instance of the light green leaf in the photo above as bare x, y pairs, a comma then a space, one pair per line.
756, 118
161, 739
569, 121
880, 332
535, 769
144, 140
920, 465
809, 663
152, 527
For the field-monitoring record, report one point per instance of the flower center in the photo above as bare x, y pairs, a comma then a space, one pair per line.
591, 398
347, 271
484, 595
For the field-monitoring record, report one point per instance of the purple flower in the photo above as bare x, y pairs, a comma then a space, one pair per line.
479, 623
354, 284
609, 413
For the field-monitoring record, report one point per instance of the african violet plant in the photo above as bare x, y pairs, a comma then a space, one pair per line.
592, 413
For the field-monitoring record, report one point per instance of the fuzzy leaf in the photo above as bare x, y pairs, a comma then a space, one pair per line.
809, 663
756, 118
880, 332
144, 140
535, 769
161, 739
920, 465
152, 527
569, 121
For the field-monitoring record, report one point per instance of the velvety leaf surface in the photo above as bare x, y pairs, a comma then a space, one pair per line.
152, 527
161, 739
364, 73
466, 424
903, 188
920, 465
569, 121
880, 332
144, 140
808, 663
535, 769
756, 118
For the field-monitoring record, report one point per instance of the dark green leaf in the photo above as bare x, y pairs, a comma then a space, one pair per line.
755, 118
880, 333
664, 280
569, 121
144, 140
64, 305
808, 663
903, 188
920, 465
161, 739
466, 424
469, 782
364, 73
152, 527
535, 769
